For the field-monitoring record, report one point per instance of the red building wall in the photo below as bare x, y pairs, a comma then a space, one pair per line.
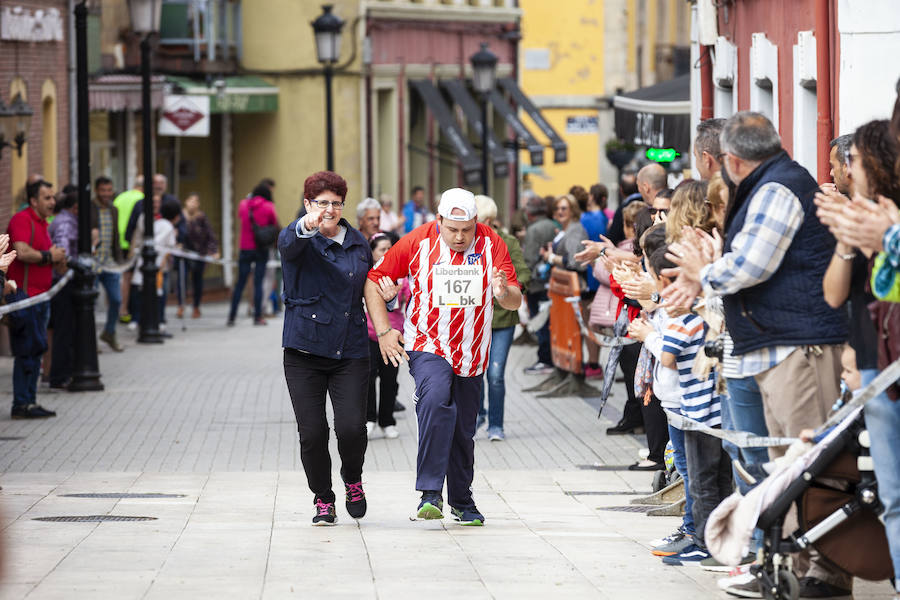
36, 62
420, 42
780, 21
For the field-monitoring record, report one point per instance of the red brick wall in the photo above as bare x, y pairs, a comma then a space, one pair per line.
35, 62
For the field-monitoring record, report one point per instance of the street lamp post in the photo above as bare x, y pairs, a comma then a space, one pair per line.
145, 22
327, 29
484, 67
85, 370
15, 120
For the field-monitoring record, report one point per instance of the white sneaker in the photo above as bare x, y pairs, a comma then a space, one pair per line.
370, 427
744, 585
390, 432
132, 326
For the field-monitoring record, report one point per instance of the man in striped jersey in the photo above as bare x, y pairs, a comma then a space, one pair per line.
456, 268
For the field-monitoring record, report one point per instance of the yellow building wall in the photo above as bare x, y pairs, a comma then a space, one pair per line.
573, 33
289, 145
584, 156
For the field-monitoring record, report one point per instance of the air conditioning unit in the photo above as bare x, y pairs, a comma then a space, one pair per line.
806, 59
760, 57
723, 66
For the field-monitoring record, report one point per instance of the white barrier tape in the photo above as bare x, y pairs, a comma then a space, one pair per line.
535, 323
180, 253
42, 297
883, 381
607, 341
741, 439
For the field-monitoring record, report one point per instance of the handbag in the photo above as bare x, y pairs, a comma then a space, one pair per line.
603, 308
263, 235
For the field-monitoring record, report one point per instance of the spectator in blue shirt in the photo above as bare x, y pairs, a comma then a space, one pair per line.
415, 212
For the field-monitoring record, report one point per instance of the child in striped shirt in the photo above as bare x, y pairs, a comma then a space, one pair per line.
708, 465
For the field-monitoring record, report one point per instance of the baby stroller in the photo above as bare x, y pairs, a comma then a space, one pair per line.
838, 512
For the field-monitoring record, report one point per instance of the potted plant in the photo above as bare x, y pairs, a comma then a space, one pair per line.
619, 153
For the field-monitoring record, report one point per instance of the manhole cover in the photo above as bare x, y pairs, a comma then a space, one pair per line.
607, 493
603, 467
92, 519
122, 495
11, 438
635, 508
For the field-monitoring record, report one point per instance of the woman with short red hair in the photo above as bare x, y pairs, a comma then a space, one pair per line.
325, 262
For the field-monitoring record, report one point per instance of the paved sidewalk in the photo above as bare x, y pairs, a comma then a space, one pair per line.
206, 418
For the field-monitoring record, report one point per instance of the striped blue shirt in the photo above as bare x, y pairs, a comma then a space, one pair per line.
684, 337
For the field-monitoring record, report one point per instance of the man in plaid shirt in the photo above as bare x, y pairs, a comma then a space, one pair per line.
769, 271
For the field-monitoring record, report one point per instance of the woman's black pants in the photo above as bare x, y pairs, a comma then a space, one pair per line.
309, 378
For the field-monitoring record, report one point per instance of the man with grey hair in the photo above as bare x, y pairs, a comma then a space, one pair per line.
706, 147
769, 274
840, 170
368, 217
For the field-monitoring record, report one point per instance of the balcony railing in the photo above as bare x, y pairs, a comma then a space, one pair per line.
210, 29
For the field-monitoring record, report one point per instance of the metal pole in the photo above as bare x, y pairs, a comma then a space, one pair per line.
86, 371
329, 132
485, 154
149, 319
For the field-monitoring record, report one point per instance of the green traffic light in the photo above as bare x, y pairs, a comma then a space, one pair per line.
662, 154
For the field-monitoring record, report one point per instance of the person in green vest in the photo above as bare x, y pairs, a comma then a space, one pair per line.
503, 326
124, 204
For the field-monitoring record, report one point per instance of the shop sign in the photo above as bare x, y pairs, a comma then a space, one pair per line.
184, 116
582, 124
18, 24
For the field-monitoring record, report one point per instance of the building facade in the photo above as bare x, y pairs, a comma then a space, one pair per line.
764, 57
574, 60
34, 54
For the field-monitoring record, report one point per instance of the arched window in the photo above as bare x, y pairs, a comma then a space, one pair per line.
49, 150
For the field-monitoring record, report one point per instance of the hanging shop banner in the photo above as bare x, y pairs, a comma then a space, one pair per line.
186, 116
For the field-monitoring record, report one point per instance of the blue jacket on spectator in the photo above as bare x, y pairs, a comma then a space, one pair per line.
323, 290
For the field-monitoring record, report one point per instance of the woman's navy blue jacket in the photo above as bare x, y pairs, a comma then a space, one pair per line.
323, 291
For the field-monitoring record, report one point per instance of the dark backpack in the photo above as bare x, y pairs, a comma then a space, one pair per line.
263, 235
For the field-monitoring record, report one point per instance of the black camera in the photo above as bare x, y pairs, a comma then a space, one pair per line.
714, 348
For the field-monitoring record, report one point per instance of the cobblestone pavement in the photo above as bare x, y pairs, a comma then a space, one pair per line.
206, 417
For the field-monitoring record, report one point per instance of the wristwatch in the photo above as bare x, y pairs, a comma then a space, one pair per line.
654, 298
603, 251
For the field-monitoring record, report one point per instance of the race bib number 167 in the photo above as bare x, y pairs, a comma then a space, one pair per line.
455, 286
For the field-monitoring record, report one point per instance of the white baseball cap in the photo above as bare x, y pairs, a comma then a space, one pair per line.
459, 198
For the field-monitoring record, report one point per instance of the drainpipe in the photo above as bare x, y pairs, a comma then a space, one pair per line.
824, 125
706, 83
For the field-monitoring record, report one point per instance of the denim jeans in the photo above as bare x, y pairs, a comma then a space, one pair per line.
677, 437
710, 478
883, 423
501, 340
112, 283
27, 369
746, 412
245, 260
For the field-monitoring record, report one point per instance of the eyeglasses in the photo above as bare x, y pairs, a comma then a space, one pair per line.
336, 205
563, 207
653, 211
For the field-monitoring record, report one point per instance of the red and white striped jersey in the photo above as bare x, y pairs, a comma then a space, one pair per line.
462, 335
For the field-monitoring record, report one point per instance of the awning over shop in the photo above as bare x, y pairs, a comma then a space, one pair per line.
535, 149
233, 94
560, 149
113, 93
471, 164
461, 96
658, 115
